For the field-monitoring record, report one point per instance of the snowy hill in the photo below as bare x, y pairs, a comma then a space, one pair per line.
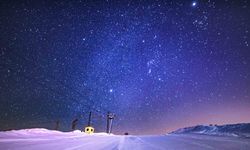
241, 130
41, 139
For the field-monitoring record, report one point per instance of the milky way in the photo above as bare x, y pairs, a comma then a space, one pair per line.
158, 65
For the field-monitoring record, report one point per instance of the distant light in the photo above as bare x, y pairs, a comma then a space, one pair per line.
194, 4
111, 90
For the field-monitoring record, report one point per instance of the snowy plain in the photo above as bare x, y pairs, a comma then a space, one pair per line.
43, 139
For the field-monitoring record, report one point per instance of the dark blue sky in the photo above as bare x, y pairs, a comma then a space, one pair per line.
158, 65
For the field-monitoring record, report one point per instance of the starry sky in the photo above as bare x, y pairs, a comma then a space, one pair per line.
158, 65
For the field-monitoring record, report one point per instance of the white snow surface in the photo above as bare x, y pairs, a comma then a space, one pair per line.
238, 130
43, 139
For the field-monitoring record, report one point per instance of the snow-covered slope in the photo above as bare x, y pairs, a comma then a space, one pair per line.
241, 130
43, 139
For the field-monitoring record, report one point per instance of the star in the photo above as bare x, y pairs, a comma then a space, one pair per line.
106, 58
194, 4
149, 71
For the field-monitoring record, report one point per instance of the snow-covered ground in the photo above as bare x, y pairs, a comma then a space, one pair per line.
237, 130
43, 139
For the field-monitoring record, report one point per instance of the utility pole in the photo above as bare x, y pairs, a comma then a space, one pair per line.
89, 129
57, 125
89, 122
110, 117
73, 124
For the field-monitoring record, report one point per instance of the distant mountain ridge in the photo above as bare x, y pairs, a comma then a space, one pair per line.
239, 130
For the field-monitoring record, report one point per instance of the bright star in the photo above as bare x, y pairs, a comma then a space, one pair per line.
194, 4
149, 70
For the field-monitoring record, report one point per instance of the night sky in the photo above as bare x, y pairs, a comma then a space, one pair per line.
158, 65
